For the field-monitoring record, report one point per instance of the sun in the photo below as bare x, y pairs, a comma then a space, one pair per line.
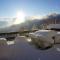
20, 17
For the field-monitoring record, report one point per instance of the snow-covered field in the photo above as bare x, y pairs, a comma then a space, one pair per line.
20, 49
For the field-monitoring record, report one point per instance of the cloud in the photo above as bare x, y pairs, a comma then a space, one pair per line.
4, 22
35, 17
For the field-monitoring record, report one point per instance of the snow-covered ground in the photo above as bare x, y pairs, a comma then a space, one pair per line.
20, 49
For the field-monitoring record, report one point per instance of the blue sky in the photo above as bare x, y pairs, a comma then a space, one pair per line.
8, 8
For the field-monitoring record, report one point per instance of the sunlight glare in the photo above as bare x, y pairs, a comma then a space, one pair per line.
20, 17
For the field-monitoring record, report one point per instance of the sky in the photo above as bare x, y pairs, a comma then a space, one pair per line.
9, 8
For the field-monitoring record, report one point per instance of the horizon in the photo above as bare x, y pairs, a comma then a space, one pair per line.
9, 21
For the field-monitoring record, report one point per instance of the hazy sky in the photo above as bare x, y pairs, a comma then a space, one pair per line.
9, 8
